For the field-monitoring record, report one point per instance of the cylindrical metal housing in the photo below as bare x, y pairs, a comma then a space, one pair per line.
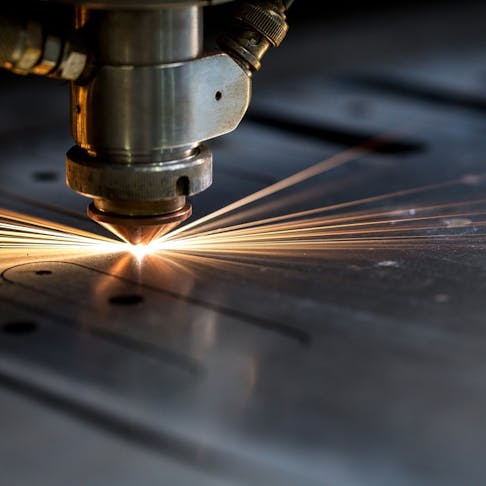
119, 114
126, 118
138, 4
147, 37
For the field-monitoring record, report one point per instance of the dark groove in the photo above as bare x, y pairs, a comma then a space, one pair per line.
126, 299
167, 356
163, 355
19, 328
420, 91
336, 135
46, 176
185, 451
285, 330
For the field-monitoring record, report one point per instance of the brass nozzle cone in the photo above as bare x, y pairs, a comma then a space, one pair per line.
139, 230
139, 234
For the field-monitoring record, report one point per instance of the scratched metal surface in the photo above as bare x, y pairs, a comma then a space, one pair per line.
357, 368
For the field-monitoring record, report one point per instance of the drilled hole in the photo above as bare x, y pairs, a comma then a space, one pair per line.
126, 299
182, 186
43, 272
218, 95
77, 109
20, 327
45, 176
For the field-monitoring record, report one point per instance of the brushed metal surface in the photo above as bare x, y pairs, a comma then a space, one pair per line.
357, 368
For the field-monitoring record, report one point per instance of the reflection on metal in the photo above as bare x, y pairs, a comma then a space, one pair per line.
211, 368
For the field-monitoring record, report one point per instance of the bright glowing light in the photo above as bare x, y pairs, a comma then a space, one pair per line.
337, 160
22, 231
140, 251
348, 225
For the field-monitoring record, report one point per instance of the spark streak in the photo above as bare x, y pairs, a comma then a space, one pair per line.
345, 226
21, 231
335, 161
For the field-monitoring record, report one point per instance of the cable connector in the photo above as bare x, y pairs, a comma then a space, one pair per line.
258, 25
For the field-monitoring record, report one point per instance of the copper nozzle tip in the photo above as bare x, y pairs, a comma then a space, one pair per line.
139, 230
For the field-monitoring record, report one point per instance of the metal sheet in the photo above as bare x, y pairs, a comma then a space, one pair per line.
360, 367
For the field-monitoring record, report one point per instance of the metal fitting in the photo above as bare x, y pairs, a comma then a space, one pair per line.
267, 21
72, 64
141, 110
139, 120
100, 178
20, 45
145, 99
258, 25
49, 57
25, 48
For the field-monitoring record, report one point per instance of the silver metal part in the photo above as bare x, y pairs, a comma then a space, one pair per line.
147, 96
73, 63
147, 38
26, 48
258, 25
267, 21
51, 54
28, 51
100, 178
156, 107
137, 5
20, 45
139, 120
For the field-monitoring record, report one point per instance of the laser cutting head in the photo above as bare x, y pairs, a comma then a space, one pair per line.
140, 119
144, 98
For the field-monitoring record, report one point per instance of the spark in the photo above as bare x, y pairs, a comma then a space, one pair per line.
297, 234
141, 251
333, 162
396, 224
21, 231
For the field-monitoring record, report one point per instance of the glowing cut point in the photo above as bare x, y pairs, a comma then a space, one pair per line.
139, 251
103, 247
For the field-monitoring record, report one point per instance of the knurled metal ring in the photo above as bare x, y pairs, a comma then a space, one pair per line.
99, 178
267, 22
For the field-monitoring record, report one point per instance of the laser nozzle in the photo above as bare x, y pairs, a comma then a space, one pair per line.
139, 230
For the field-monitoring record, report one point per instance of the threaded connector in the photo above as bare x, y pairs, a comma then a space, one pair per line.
258, 25
9, 40
26, 49
269, 23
